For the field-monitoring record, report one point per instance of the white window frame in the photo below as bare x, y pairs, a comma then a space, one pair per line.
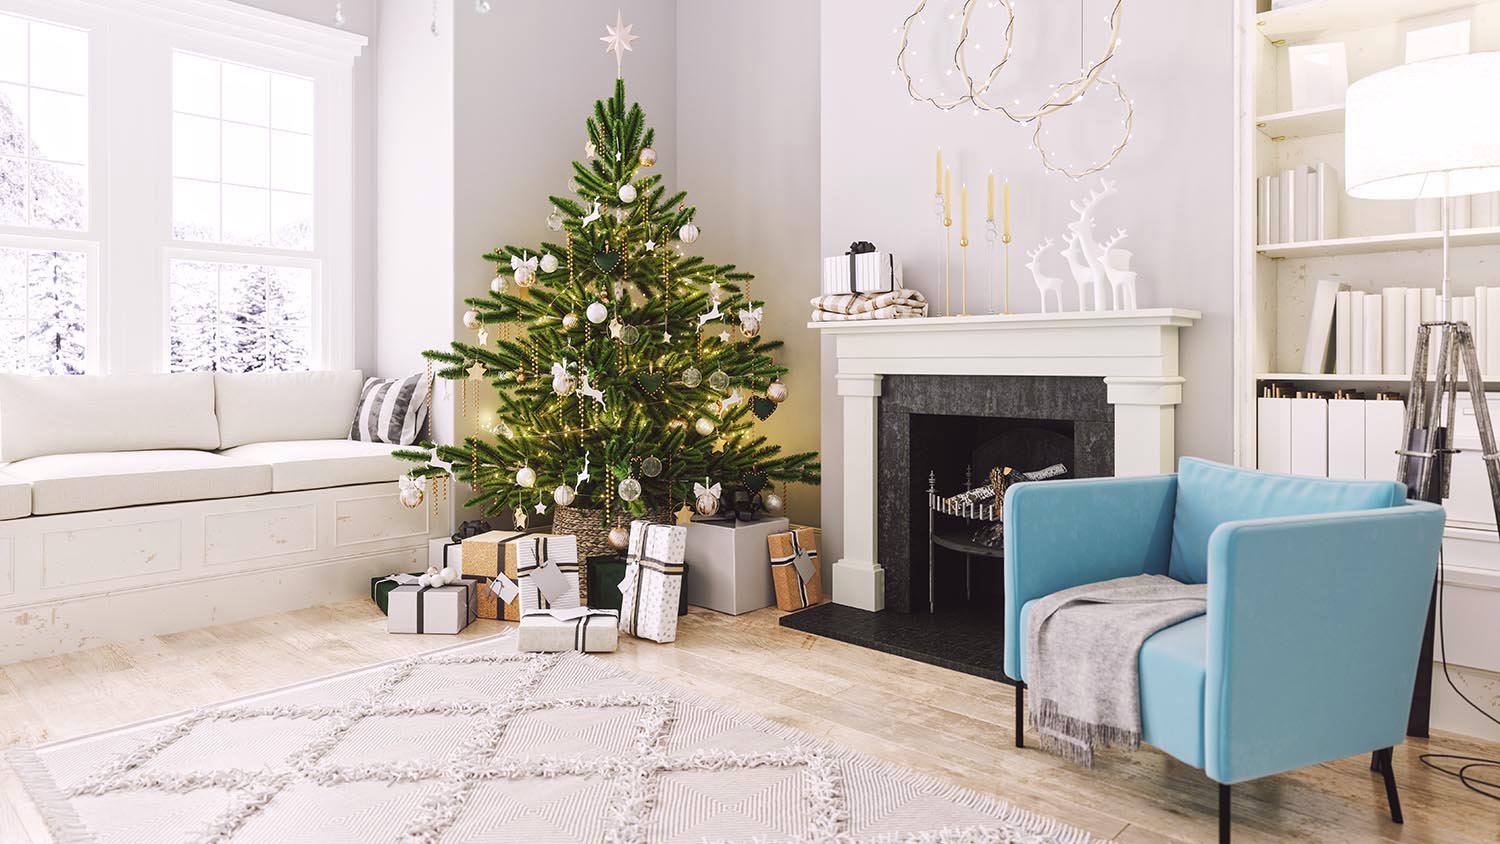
130, 165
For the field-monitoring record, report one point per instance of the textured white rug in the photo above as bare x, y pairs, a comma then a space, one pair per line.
480, 744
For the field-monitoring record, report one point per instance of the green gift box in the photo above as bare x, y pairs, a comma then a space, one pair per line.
380, 590
605, 574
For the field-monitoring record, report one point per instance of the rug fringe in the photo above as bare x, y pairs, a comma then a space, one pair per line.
53, 805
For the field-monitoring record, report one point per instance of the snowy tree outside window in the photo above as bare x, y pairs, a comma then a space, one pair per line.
240, 317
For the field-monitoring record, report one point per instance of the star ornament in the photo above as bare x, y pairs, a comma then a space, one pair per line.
619, 41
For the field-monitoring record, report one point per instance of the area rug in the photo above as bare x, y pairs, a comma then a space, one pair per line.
480, 744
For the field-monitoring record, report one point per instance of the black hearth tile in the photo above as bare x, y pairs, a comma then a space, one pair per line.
966, 639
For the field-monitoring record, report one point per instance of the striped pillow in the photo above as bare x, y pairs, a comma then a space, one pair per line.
391, 411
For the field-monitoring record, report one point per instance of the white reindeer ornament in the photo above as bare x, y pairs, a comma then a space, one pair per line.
1082, 275
1117, 267
1044, 283
1083, 229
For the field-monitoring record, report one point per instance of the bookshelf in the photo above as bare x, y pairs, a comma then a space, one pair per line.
1379, 244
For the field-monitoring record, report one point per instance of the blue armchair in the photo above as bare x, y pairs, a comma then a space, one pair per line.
1317, 598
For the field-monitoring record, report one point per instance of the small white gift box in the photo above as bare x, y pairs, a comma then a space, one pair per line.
653, 581
432, 609
578, 629
547, 571
861, 272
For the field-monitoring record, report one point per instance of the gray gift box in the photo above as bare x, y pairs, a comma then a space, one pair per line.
577, 629
432, 609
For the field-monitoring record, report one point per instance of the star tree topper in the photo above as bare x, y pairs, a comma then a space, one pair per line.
619, 41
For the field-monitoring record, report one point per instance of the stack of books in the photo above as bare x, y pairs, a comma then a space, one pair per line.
1355, 332
1298, 205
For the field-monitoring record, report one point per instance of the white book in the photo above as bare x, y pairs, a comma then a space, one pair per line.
1274, 435
1413, 319
1319, 327
1427, 215
1393, 330
1330, 190
1460, 208
1263, 210
1373, 351
1346, 439
1310, 437
1341, 336
1356, 332
1429, 304
1312, 203
1290, 209
1492, 330
1274, 223
1485, 211
1383, 423
1481, 326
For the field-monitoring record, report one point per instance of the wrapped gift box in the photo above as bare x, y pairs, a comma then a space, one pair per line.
540, 559
729, 568
579, 629
865, 272
795, 569
652, 587
604, 576
432, 609
380, 588
484, 558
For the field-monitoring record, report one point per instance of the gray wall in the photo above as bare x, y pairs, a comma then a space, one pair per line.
1175, 178
748, 127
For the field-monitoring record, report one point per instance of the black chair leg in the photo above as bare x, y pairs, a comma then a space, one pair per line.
1020, 715
1388, 771
1223, 814
1375, 759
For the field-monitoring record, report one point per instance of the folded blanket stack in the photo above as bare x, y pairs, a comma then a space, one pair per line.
895, 304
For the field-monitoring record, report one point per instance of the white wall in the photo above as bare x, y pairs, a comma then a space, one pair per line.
1175, 179
747, 125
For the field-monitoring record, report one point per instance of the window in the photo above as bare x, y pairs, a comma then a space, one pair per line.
240, 317
44, 125
242, 154
42, 307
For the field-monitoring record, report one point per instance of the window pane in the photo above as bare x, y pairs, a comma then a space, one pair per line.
194, 348
291, 103
195, 147
195, 210
291, 220
59, 58
59, 126
13, 347
247, 216
12, 283
247, 155
13, 111
289, 295
58, 194
246, 94
13, 52
195, 84
13, 192
240, 317
291, 162
193, 292
51, 338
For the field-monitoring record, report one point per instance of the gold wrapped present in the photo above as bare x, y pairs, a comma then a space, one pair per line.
795, 569
486, 557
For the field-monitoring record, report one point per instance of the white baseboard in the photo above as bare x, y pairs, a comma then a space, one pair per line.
1452, 715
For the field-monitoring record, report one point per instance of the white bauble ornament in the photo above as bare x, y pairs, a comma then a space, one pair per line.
424, 581
777, 392
597, 313
411, 497
627, 193
569, 322
563, 383
499, 283
432, 571
630, 489
525, 275
555, 220
450, 575
619, 538
704, 426
750, 325
549, 263
471, 320
647, 158
708, 505
689, 233
526, 477
691, 377
651, 467
774, 503
563, 495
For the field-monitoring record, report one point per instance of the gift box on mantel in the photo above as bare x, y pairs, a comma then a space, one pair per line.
432, 609
863, 269
578, 629
485, 558
604, 574
548, 571
795, 569
653, 581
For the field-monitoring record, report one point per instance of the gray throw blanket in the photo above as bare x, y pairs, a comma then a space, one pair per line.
1083, 648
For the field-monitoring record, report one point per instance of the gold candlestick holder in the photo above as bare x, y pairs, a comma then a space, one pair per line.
947, 266
944, 239
991, 235
963, 252
1005, 239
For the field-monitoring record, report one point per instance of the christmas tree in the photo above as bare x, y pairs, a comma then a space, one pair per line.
629, 374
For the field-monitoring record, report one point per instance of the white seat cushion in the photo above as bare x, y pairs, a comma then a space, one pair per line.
315, 464
15, 498
72, 483
74, 414
263, 407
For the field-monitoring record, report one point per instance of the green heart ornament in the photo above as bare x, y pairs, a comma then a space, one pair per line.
607, 261
762, 407
652, 382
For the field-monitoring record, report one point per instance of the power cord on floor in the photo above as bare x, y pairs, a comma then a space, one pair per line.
1469, 763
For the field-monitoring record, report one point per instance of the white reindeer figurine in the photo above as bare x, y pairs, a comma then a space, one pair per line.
1117, 265
1083, 276
1044, 283
1083, 230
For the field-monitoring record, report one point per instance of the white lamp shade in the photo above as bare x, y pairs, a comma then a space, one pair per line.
1425, 130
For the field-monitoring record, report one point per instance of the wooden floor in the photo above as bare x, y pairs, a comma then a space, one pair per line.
948, 724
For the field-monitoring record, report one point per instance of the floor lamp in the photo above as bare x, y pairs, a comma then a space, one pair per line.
1431, 130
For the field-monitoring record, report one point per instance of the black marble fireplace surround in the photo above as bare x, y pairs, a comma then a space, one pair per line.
941, 424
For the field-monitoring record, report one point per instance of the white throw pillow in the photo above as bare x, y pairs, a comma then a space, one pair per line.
68, 414
261, 407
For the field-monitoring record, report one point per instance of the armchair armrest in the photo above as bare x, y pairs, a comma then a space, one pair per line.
1314, 630
1060, 534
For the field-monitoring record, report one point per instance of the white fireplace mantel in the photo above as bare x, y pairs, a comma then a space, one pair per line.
1134, 352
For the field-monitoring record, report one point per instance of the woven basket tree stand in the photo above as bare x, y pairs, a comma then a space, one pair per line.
592, 530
